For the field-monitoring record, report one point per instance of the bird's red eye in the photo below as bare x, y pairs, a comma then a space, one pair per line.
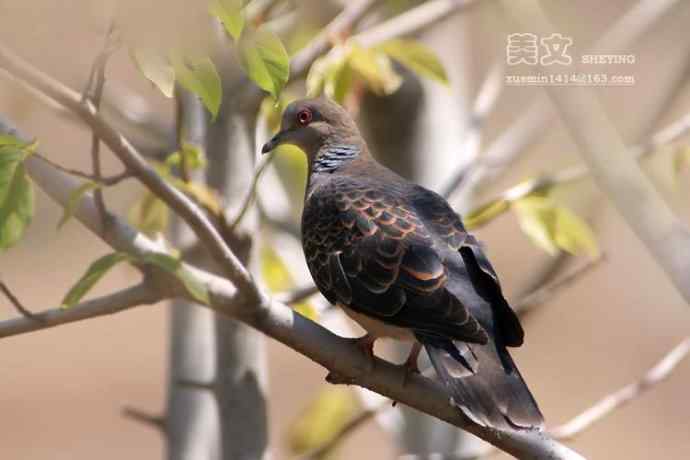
304, 117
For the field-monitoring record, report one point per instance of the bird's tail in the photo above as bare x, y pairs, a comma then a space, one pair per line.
484, 383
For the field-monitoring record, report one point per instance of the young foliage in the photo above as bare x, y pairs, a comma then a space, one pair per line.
485, 213
375, 69
265, 60
231, 14
94, 273
334, 73
548, 224
198, 75
156, 68
331, 75
16, 191
74, 200
149, 214
417, 57
190, 155
553, 227
100, 267
322, 420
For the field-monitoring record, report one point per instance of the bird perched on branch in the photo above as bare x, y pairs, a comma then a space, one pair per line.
398, 260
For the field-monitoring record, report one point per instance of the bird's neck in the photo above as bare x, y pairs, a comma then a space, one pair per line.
333, 156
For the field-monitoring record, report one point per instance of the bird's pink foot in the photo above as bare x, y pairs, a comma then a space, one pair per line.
410, 365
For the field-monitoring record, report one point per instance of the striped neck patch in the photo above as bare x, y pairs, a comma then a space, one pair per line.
332, 156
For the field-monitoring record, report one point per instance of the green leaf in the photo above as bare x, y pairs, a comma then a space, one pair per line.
332, 75
322, 420
485, 213
199, 76
265, 60
149, 214
375, 69
95, 272
192, 154
175, 267
417, 57
573, 234
553, 227
230, 13
74, 200
16, 190
156, 68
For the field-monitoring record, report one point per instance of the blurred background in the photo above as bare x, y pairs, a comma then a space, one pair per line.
62, 390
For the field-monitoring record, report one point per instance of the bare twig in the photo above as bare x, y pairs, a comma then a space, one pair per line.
251, 192
111, 180
98, 75
339, 27
542, 294
157, 422
411, 22
15, 301
604, 407
141, 294
297, 295
259, 12
486, 99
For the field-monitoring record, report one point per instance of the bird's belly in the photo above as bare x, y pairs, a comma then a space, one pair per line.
378, 328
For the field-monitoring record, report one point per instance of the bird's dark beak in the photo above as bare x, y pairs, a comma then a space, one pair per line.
273, 143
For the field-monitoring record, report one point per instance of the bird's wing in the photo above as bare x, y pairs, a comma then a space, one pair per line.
446, 225
370, 251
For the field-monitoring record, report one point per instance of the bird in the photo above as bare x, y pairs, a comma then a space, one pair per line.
399, 261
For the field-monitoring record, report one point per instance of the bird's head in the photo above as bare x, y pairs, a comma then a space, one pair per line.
315, 125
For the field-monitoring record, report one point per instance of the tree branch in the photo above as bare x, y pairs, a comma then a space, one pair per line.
141, 294
411, 22
25, 312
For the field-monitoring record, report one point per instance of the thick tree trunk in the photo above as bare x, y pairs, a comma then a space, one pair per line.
217, 403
